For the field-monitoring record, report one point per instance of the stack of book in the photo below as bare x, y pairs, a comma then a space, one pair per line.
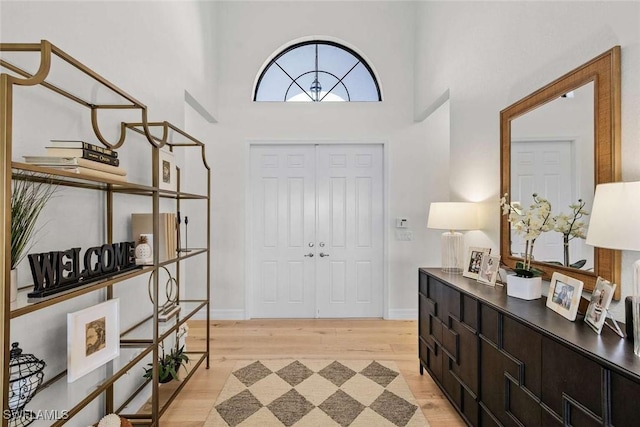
82, 158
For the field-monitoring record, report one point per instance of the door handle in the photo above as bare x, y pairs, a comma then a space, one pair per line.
310, 255
322, 255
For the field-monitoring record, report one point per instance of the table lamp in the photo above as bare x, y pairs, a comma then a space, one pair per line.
453, 216
615, 224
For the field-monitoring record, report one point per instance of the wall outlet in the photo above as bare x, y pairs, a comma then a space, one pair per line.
404, 235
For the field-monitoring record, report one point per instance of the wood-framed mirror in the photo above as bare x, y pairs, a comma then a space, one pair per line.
564, 138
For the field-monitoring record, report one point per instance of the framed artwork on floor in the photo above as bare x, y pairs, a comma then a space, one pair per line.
93, 338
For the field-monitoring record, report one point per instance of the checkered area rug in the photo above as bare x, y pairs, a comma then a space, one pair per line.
318, 393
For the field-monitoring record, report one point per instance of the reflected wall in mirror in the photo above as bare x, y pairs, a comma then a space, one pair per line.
559, 142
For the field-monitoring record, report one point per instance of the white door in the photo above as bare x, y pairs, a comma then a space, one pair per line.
350, 231
317, 231
545, 168
283, 222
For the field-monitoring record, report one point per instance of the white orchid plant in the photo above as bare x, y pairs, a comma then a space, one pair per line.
529, 224
571, 227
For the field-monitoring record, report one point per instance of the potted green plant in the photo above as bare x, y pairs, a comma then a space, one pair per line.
28, 199
168, 364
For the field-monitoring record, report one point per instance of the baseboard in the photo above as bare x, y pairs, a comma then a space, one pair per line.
239, 314
221, 314
403, 314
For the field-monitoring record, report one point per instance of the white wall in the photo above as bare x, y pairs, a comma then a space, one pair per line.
491, 54
153, 51
249, 33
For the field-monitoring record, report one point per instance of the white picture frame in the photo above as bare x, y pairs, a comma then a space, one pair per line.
93, 338
168, 173
474, 261
564, 295
598, 305
489, 269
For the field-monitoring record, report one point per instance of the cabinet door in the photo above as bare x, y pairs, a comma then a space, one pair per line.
572, 385
625, 410
458, 344
510, 367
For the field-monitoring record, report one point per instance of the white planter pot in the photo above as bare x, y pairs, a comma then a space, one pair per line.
14, 285
524, 287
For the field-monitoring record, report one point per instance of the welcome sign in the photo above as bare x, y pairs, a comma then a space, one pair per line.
55, 272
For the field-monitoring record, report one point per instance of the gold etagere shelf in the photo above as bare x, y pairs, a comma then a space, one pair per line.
145, 336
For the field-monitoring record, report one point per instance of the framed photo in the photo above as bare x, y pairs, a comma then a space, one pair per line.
474, 260
168, 172
600, 300
489, 269
93, 338
564, 295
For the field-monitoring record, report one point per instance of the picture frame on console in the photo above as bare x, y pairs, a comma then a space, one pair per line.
474, 262
564, 295
600, 299
489, 269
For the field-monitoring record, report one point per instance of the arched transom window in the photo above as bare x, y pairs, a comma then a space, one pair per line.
317, 71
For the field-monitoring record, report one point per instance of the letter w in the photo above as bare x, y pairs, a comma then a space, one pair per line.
43, 269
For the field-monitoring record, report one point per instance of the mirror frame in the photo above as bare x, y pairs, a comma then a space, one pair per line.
604, 72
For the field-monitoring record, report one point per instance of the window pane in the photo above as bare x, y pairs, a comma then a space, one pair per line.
273, 85
305, 82
335, 60
339, 93
361, 85
298, 61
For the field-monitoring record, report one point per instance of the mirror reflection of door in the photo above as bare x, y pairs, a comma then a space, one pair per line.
317, 231
545, 168
552, 154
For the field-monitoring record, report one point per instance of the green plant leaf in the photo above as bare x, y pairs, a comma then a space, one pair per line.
28, 198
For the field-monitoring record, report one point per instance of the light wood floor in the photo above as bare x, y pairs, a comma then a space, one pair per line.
308, 338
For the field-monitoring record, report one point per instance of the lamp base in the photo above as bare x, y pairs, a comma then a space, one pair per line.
452, 246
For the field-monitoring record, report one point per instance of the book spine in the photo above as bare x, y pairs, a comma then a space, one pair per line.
101, 150
98, 157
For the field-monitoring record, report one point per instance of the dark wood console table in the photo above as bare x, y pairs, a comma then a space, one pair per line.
503, 361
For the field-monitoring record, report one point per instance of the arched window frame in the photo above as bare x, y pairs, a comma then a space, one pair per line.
296, 45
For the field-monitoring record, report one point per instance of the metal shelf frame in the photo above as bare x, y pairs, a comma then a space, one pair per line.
14, 75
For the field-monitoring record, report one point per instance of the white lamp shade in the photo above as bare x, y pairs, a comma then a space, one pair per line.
453, 216
615, 216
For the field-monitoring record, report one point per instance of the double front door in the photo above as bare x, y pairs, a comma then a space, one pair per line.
317, 231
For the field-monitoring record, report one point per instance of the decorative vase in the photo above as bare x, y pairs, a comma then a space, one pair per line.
14, 285
143, 251
527, 288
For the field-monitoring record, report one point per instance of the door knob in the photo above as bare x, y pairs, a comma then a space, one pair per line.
322, 244
310, 255
322, 255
